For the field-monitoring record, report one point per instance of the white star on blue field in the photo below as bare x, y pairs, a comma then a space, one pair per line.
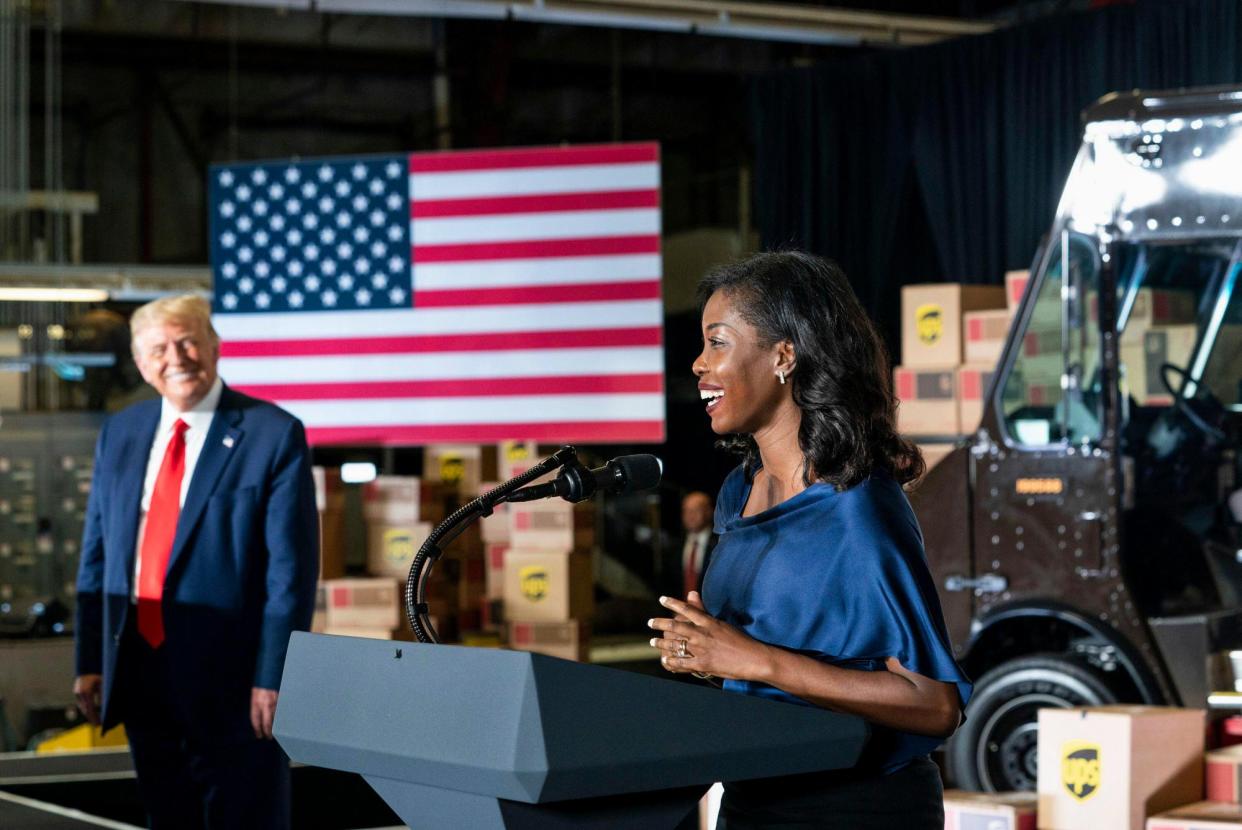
321, 235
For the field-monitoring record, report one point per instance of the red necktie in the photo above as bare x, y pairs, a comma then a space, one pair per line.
691, 576
157, 539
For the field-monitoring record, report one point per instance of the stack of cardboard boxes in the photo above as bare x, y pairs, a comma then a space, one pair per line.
544, 571
1123, 767
524, 572
951, 338
399, 513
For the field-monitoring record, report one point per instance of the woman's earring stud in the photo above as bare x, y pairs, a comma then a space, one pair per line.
780, 373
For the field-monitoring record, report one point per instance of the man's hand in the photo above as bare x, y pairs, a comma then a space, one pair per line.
262, 711
88, 688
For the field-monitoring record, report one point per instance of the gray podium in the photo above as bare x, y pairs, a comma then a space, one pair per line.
455, 737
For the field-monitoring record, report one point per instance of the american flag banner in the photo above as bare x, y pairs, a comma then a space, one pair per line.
438, 297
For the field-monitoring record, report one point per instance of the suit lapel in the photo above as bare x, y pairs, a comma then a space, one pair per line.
221, 444
135, 452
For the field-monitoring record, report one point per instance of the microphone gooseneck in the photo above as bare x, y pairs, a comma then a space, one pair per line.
575, 483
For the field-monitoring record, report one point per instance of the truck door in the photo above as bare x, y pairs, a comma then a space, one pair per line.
1046, 494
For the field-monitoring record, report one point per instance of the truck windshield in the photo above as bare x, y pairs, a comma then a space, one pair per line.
1178, 303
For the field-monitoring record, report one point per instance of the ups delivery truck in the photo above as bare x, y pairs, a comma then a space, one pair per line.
1086, 538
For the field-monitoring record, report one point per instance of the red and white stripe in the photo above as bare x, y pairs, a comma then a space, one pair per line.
537, 312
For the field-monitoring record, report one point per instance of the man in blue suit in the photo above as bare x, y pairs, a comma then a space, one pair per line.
199, 558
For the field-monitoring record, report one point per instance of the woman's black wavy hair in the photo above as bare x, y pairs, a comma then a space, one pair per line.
841, 380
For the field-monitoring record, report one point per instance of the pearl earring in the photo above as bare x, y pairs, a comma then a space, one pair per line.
780, 373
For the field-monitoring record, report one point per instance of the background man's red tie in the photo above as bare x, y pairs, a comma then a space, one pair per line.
157, 539
691, 575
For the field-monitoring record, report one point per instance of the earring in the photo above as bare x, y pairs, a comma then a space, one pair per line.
780, 373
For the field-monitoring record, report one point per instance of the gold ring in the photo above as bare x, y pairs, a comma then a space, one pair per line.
681, 649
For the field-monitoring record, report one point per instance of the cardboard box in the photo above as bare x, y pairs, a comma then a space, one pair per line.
391, 548
1223, 773
392, 499
1202, 815
548, 586
931, 320
1142, 361
927, 400
972, 386
460, 466
988, 811
1161, 345
516, 457
1155, 307
986, 332
552, 525
1112, 766
363, 603
569, 639
494, 570
1015, 287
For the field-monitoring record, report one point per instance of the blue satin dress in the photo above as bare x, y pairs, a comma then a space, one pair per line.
839, 576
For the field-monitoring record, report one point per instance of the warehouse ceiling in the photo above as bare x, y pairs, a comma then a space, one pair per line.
838, 22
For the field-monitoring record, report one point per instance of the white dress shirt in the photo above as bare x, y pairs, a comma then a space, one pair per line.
199, 421
692, 556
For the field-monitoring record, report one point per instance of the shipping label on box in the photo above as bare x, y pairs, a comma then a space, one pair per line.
1112, 766
494, 570
391, 548
972, 385
986, 332
363, 603
927, 400
1156, 307
1015, 288
552, 525
551, 586
931, 320
989, 811
392, 499
1224, 774
1202, 815
569, 639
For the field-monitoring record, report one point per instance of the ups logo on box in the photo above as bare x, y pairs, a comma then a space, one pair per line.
1080, 768
534, 582
929, 322
398, 545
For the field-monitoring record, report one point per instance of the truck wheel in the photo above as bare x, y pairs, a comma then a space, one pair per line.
995, 749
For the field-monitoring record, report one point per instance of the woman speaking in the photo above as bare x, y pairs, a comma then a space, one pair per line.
818, 592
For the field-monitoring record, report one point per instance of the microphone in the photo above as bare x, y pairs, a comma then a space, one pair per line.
626, 474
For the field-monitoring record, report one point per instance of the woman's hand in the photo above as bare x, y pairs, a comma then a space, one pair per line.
711, 646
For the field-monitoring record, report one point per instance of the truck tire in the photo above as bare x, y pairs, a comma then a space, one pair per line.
995, 749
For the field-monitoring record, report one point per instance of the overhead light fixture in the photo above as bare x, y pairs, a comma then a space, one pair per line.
52, 295
358, 472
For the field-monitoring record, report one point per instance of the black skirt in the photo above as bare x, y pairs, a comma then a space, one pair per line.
912, 798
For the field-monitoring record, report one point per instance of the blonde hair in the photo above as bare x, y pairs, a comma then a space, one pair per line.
188, 309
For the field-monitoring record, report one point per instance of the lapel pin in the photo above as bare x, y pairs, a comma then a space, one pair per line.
228, 441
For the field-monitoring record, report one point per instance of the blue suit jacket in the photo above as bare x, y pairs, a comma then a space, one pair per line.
243, 568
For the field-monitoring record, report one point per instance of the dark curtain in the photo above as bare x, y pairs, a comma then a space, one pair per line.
946, 162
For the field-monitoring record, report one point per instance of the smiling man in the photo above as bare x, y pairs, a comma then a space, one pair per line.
199, 558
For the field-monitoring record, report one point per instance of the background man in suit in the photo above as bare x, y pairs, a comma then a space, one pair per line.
199, 558
696, 519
